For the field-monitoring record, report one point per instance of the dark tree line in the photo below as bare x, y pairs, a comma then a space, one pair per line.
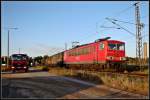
39, 60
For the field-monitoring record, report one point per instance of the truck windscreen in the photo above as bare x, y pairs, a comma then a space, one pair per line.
19, 57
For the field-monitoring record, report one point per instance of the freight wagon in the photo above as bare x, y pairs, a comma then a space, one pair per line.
55, 60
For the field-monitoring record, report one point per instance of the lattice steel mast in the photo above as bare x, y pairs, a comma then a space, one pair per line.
139, 26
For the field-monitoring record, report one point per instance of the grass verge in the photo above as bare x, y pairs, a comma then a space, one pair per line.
123, 82
44, 68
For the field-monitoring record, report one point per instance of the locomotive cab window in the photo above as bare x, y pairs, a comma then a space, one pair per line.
112, 46
116, 46
120, 47
101, 46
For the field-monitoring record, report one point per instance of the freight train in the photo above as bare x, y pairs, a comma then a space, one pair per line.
101, 55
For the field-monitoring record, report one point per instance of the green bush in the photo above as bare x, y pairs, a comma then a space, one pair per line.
45, 68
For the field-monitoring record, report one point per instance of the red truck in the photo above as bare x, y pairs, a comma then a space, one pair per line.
19, 62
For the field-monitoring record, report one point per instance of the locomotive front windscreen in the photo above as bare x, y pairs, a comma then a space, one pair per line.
116, 46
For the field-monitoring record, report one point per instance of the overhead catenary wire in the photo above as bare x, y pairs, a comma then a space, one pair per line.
104, 22
125, 11
122, 21
125, 21
120, 26
142, 3
110, 27
115, 20
117, 14
140, 18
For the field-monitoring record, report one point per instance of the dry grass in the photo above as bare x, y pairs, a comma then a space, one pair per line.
124, 82
45, 68
5, 68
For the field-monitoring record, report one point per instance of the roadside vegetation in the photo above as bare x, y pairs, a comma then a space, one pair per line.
5, 68
124, 82
40, 67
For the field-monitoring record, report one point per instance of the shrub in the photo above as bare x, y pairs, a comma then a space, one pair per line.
45, 68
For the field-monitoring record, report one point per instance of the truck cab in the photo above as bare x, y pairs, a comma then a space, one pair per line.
19, 62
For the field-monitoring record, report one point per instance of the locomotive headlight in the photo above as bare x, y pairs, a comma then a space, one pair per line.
12, 67
122, 58
110, 58
24, 67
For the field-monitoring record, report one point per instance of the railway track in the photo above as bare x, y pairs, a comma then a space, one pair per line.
119, 73
126, 73
138, 74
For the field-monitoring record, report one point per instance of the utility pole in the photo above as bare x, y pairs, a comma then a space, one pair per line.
65, 46
139, 26
8, 45
19, 50
8, 51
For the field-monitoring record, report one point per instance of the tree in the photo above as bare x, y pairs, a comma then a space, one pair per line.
38, 59
44, 59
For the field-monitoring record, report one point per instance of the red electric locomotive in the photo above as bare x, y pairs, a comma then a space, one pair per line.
103, 53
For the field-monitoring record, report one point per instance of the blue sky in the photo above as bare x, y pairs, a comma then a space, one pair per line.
45, 26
